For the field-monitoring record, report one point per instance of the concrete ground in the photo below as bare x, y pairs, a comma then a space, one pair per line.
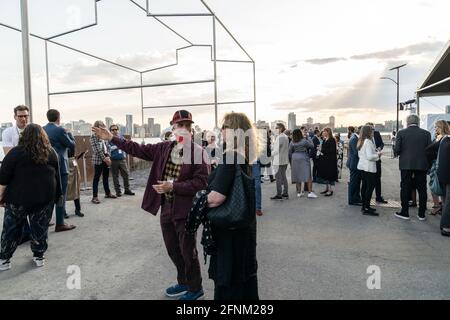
307, 249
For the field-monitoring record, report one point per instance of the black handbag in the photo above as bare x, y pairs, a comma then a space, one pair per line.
239, 209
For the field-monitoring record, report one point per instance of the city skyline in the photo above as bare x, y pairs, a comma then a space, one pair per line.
83, 127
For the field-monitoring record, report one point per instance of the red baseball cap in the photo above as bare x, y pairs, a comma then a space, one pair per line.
181, 115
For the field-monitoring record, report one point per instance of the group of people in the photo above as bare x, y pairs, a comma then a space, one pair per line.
188, 180
34, 175
39, 174
419, 157
107, 156
314, 157
365, 149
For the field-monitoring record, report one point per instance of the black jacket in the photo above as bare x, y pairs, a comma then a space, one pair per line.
444, 162
313, 151
28, 183
327, 166
411, 145
379, 144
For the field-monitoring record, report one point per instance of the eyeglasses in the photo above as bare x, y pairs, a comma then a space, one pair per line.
24, 116
114, 129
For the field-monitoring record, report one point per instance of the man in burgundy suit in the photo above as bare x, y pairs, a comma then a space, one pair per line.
178, 172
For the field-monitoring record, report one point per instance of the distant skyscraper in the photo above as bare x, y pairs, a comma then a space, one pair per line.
136, 129
129, 126
85, 129
157, 130
109, 122
332, 122
310, 121
292, 121
151, 127
122, 130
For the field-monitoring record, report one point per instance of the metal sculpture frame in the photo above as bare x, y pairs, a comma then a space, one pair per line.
141, 86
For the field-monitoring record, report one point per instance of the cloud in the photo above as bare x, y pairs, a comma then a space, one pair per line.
392, 54
369, 93
324, 60
412, 50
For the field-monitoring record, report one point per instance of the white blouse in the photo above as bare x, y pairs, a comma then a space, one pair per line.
368, 157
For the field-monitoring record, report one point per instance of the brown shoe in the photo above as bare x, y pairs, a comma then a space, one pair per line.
64, 227
95, 201
259, 213
110, 196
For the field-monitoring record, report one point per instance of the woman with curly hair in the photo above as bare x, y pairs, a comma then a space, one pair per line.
29, 187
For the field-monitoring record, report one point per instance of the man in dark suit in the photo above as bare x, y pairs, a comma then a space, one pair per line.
410, 147
379, 144
62, 143
354, 186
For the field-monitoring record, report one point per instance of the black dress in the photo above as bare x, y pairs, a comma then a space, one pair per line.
327, 165
233, 266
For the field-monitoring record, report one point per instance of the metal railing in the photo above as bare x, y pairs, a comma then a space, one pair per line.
141, 85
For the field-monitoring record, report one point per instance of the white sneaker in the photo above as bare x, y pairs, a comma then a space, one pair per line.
266, 178
40, 262
5, 265
299, 195
312, 195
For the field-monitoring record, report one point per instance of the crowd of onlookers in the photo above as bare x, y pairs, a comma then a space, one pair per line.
419, 157
40, 173
202, 178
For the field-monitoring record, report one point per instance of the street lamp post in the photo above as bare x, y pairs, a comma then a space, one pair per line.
26, 55
398, 89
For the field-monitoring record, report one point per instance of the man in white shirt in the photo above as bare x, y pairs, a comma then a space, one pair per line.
10, 137
280, 161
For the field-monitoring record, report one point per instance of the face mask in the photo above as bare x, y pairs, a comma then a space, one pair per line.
181, 135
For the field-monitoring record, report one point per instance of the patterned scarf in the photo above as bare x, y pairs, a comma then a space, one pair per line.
198, 216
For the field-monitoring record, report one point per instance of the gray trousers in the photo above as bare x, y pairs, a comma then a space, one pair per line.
282, 182
120, 166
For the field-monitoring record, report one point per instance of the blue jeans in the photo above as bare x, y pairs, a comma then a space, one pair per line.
257, 175
101, 170
61, 211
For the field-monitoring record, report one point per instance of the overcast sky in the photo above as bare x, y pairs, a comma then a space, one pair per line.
314, 57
